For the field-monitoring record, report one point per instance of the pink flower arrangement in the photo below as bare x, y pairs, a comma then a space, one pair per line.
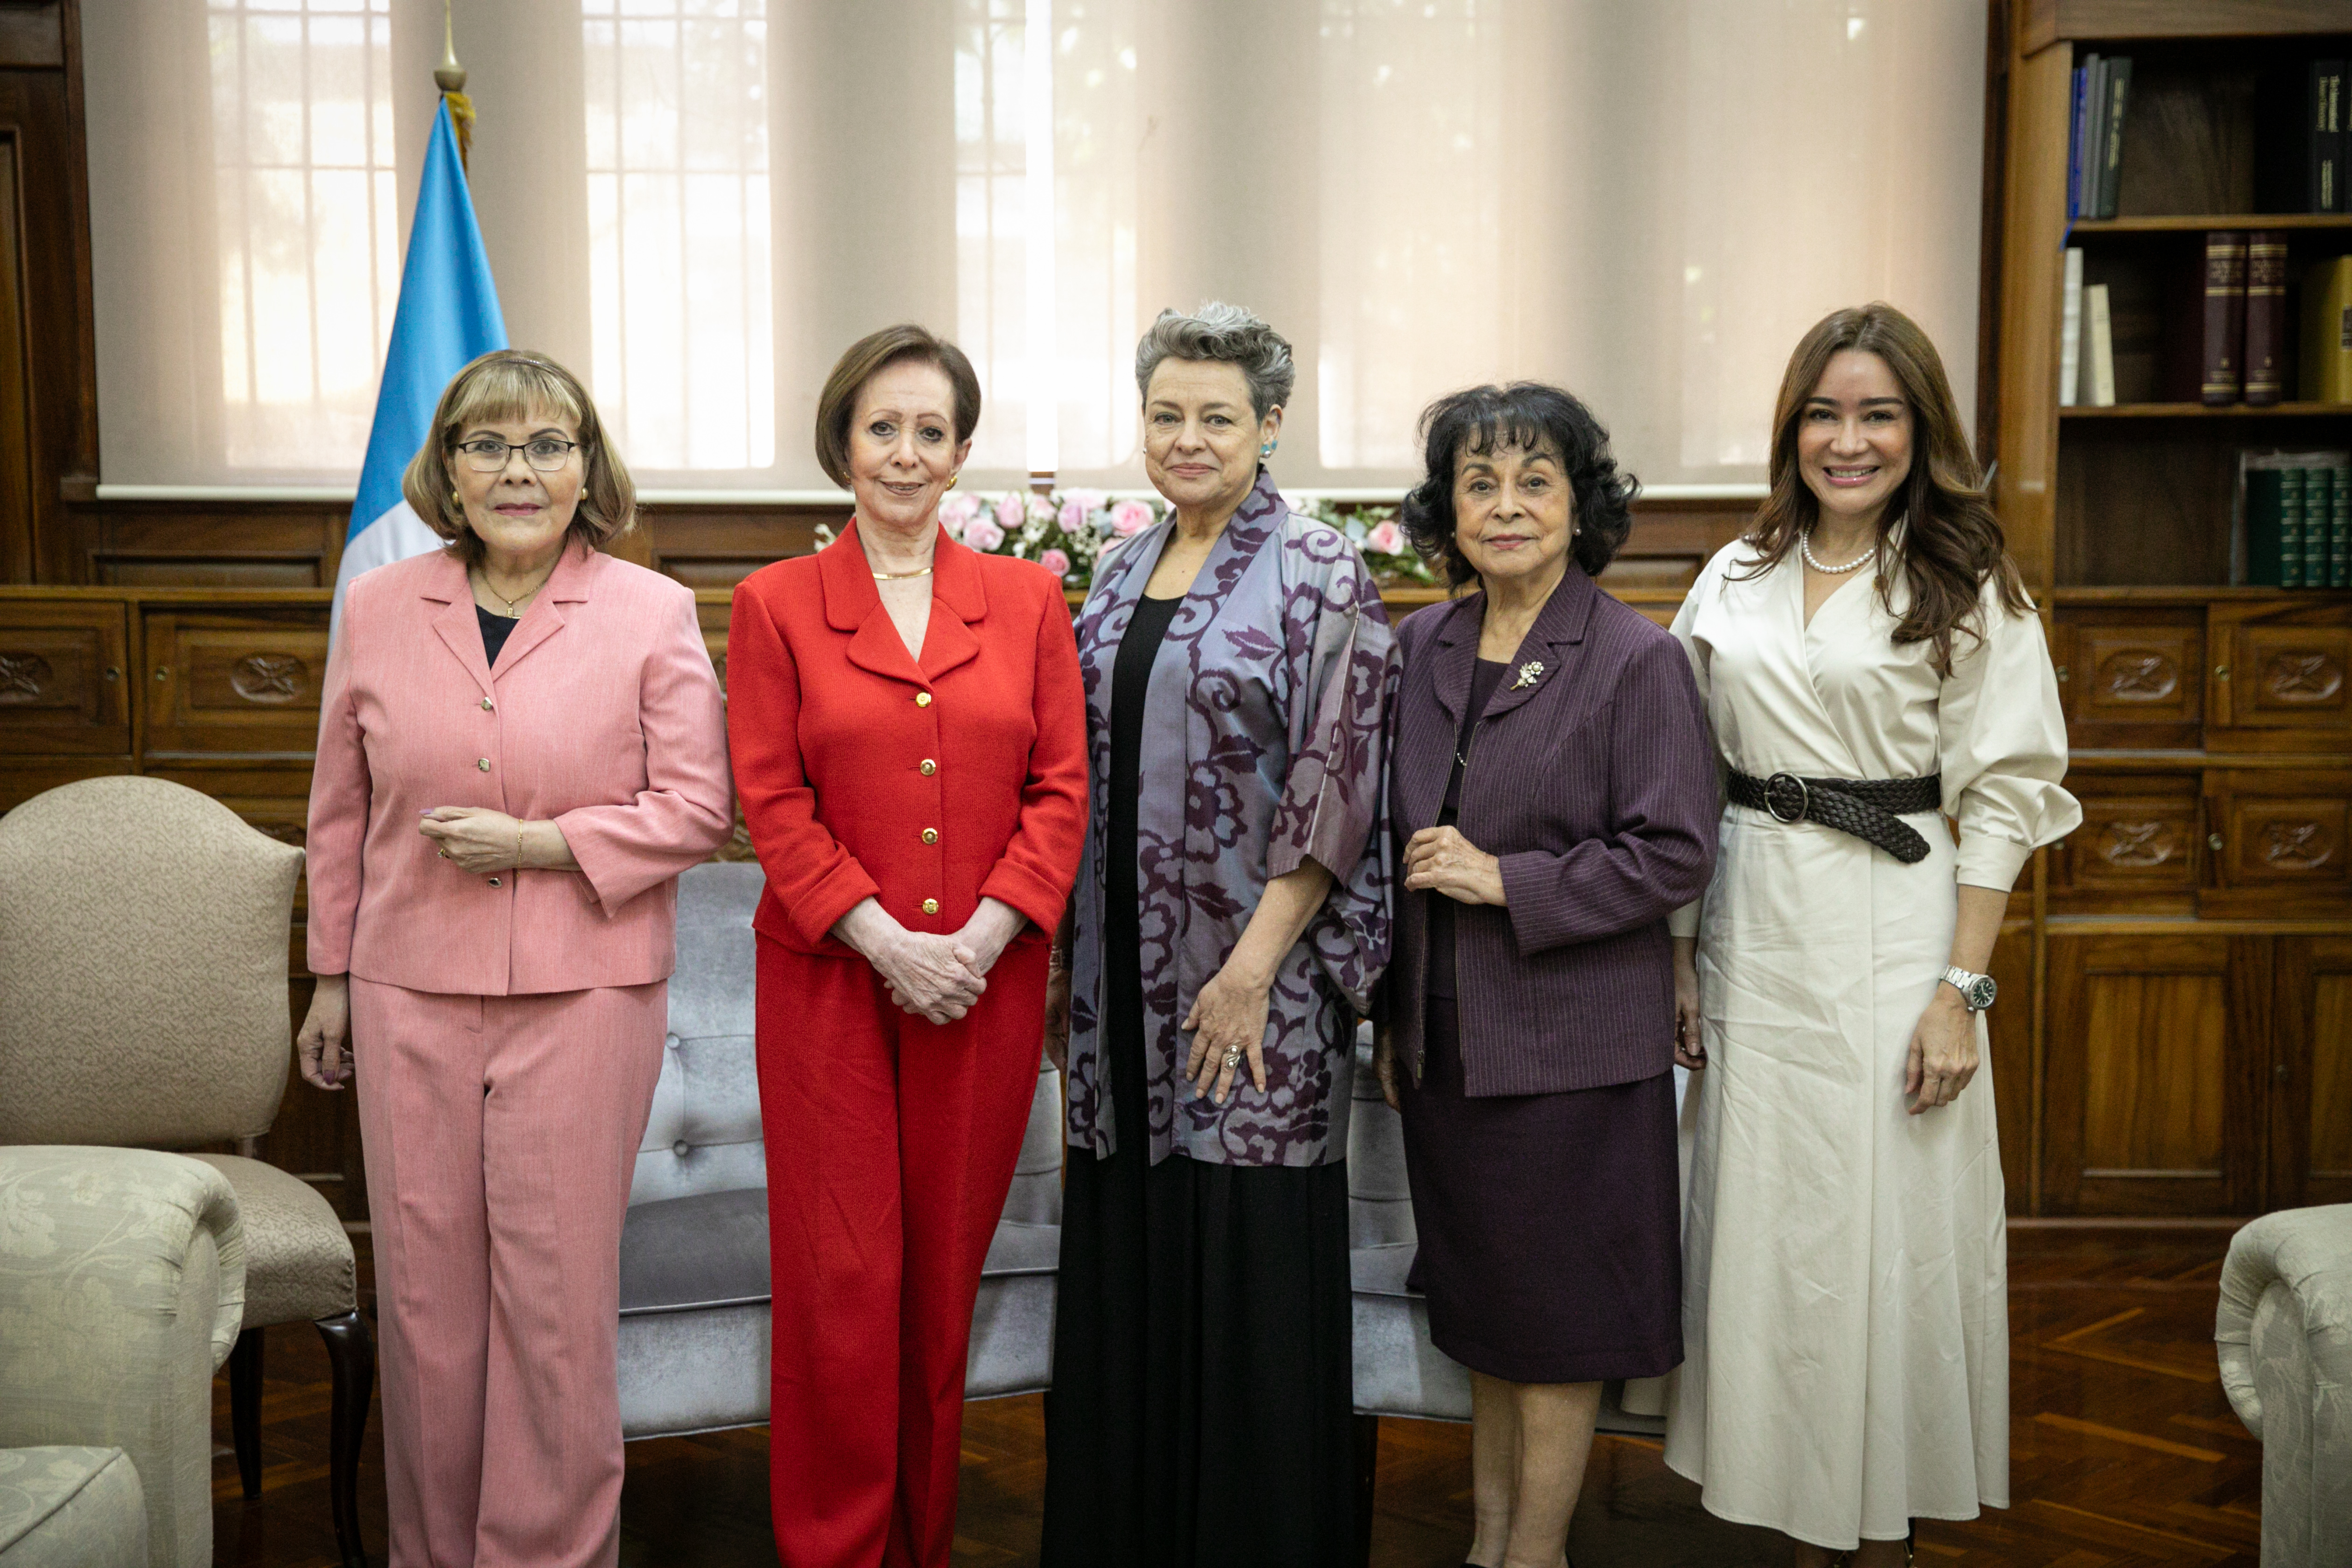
1010, 513
1386, 538
1072, 517
1086, 501
957, 512
983, 533
1056, 561
1129, 517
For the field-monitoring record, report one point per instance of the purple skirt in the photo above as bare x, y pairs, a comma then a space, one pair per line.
1549, 1224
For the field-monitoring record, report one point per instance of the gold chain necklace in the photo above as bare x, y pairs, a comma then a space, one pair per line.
899, 576
513, 613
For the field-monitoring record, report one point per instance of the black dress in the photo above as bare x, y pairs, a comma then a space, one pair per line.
1548, 1222
1204, 1367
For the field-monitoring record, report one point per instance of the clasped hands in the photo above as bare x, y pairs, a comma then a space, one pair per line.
1441, 860
935, 977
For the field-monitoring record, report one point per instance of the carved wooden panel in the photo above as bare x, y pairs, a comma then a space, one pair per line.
2152, 1098
63, 676
2132, 677
2311, 1118
2140, 849
22, 778
2282, 680
231, 684
2009, 1059
2284, 846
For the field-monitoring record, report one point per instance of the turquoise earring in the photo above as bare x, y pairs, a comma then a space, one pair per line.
1268, 450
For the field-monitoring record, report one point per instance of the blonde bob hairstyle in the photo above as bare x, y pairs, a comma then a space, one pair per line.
516, 383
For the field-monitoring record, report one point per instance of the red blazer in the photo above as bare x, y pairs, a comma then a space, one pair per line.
848, 751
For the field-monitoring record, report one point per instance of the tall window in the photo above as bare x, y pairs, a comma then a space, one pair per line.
681, 293
309, 230
994, 229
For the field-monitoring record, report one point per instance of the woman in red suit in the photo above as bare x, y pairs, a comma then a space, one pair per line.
908, 735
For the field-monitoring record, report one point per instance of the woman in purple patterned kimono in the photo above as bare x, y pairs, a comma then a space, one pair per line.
1230, 918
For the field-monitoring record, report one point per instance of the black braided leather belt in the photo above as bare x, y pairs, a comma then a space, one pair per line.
1870, 809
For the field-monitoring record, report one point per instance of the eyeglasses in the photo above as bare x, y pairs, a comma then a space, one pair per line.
487, 454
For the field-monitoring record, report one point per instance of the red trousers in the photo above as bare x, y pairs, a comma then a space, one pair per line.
890, 1143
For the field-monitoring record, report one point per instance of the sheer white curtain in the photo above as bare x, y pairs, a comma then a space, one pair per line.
699, 203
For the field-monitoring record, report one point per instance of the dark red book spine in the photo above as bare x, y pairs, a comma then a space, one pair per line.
2265, 357
2222, 380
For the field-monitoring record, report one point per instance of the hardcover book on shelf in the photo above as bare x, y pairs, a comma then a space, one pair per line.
2339, 527
2327, 374
2098, 348
2206, 333
2285, 531
2316, 487
2299, 137
2075, 146
2115, 91
2070, 333
2325, 105
2265, 350
2088, 121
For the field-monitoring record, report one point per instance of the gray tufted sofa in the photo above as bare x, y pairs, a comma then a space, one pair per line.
2284, 1331
694, 1252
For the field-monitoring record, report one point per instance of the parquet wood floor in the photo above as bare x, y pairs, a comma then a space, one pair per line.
2124, 1452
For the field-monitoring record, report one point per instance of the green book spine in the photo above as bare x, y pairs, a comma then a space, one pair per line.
2340, 531
2318, 489
2262, 502
2290, 528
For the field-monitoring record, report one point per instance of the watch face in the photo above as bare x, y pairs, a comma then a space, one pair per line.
1980, 993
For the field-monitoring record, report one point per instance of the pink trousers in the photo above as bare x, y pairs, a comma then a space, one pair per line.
500, 1134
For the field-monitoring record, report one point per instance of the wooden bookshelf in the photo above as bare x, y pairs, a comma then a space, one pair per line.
2189, 949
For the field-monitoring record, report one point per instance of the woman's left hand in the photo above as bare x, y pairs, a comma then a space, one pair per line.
1227, 1024
1943, 1052
1441, 860
479, 839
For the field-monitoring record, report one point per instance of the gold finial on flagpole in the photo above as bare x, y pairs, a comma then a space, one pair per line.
450, 78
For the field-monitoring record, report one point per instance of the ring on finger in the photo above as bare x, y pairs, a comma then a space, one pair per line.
1233, 1056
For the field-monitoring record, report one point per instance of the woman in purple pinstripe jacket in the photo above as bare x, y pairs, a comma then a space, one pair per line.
1553, 790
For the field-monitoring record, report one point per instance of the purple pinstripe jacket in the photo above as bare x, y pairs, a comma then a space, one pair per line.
1596, 788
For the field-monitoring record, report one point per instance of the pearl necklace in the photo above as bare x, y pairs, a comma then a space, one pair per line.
1805, 545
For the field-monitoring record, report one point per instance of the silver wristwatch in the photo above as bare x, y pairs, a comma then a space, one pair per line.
1976, 990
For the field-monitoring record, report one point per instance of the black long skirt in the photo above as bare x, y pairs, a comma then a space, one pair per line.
1203, 1369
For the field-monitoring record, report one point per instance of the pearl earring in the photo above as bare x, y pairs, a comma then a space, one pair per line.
1268, 450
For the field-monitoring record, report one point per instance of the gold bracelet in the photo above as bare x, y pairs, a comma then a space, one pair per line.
518, 844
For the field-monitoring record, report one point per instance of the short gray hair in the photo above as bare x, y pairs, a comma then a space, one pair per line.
1227, 332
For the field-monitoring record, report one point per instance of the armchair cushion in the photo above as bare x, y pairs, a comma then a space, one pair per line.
297, 1259
681, 1255
122, 1290
70, 1508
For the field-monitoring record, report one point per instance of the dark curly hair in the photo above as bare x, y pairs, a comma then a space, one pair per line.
1528, 416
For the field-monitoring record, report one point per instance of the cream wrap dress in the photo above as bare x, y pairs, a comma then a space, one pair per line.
1844, 1264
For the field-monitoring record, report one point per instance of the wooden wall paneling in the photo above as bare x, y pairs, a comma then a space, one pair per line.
2040, 88
2046, 22
207, 545
2149, 1105
2285, 844
2281, 675
2009, 1064
23, 777
2139, 850
2132, 675
64, 677
719, 546
233, 682
2144, 502
19, 542
2311, 1092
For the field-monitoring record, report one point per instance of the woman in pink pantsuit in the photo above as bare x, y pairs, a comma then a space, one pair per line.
521, 747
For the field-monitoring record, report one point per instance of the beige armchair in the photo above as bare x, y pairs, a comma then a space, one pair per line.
2283, 1331
144, 931
121, 1288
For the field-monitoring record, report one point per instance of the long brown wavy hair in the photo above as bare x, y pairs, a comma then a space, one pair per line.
1953, 542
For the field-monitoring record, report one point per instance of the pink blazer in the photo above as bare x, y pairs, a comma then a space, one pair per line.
604, 716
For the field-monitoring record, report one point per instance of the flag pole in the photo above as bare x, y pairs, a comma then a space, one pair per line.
450, 78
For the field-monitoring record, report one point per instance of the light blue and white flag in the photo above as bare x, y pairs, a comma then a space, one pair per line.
448, 316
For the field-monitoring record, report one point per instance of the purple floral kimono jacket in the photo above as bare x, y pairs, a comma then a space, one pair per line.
1265, 748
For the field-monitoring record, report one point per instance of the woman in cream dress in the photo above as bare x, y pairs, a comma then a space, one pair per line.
1844, 1308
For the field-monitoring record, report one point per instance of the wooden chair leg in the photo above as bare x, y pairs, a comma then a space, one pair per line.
350, 1354
245, 1409
1368, 1464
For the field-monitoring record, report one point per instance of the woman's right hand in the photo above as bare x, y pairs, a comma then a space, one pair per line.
1690, 1051
320, 1044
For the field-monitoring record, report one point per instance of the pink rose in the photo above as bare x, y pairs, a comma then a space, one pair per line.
1055, 561
1039, 512
982, 534
1386, 538
957, 510
1011, 510
1129, 517
1086, 501
1072, 517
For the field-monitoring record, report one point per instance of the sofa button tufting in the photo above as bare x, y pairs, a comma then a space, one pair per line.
681, 1148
